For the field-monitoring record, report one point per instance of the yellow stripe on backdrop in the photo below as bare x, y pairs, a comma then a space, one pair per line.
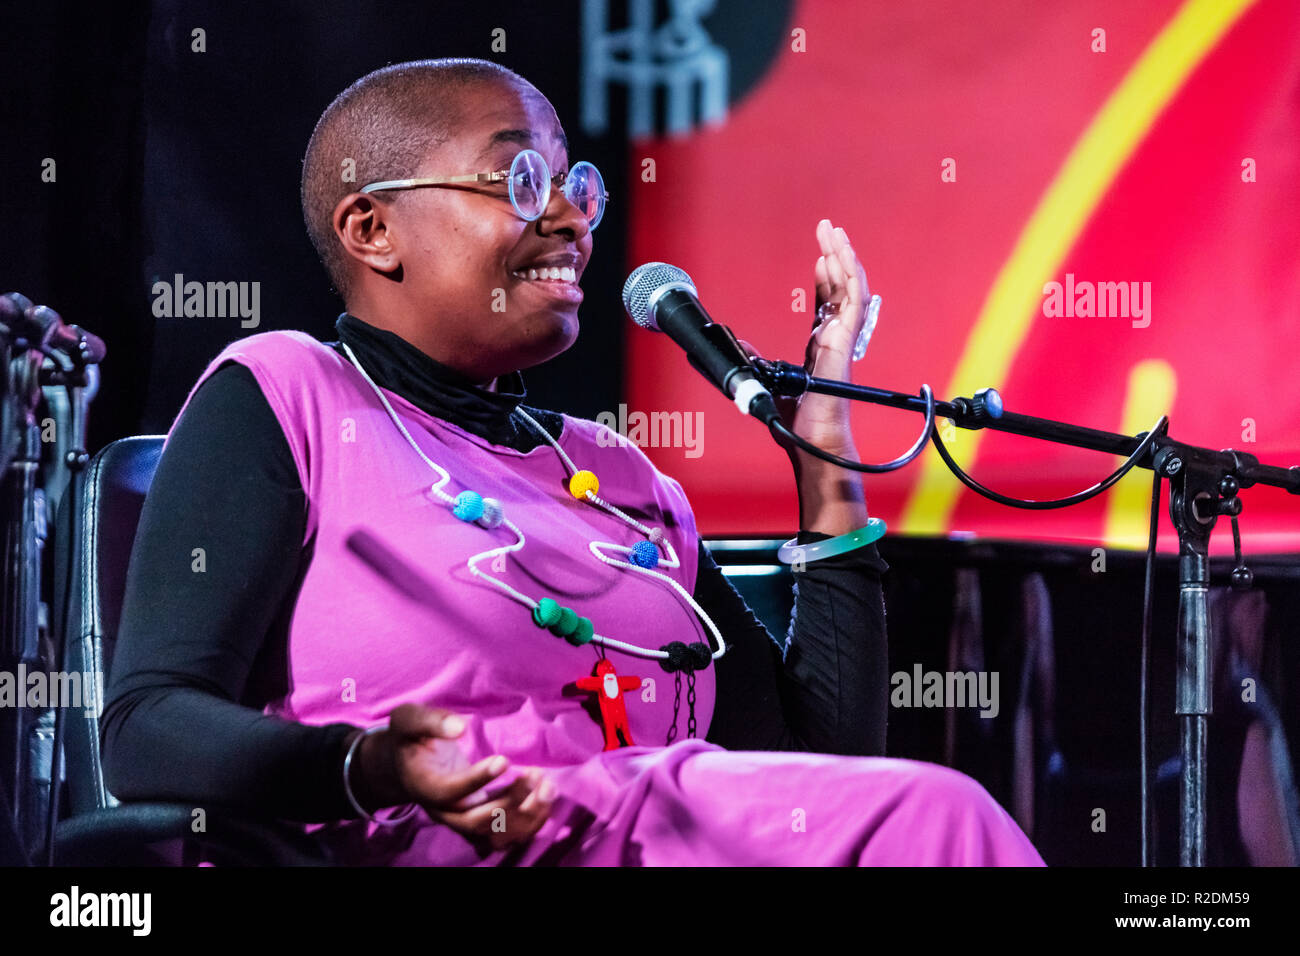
1150, 394
1055, 226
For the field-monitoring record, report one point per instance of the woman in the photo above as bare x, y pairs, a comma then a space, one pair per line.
368, 577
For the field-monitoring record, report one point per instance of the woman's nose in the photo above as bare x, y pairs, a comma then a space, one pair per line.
561, 215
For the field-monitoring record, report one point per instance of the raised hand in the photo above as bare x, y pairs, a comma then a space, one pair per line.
841, 283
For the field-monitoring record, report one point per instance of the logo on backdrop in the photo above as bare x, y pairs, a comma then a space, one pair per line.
678, 57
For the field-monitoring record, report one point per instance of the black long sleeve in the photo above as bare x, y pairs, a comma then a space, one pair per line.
217, 553
825, 688
201, 652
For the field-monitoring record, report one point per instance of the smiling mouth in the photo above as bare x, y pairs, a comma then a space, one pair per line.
557, 274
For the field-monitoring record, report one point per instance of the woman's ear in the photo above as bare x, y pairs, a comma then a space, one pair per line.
363, 228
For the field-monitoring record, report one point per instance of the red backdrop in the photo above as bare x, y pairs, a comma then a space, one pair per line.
1128, 165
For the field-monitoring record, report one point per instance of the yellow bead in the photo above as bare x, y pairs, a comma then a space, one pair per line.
582, 482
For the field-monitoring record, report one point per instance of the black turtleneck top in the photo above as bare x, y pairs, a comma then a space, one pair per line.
200, 654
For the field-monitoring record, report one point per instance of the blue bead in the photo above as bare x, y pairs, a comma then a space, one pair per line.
645, 554
469, 506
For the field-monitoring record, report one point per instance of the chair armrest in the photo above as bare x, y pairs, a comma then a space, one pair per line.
161, 834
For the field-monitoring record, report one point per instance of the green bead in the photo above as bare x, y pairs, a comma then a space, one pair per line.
547, 612
583, 634
567, 623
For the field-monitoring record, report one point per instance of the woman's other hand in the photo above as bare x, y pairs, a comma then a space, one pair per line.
841, 281
416, 760
830, 500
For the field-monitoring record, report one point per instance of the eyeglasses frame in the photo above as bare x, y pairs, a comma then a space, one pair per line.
501, 175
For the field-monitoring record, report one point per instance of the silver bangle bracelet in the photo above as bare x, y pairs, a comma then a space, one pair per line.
347, 785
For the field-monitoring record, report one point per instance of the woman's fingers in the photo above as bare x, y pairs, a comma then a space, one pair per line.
848, 281
515, 815
826, 236
824, 270
513, 792
835, 267
445, 787
542, 796
823, 286
857, 275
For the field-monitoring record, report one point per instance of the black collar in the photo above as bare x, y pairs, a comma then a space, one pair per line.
397, 365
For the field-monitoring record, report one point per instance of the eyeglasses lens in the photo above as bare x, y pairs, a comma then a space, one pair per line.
530, 187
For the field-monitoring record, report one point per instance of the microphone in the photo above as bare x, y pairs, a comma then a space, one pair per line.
13, 318
43, 328
79, 345
662, 298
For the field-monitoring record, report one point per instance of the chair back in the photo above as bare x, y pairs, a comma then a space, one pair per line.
108, 498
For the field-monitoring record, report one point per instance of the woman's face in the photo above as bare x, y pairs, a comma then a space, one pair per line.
466, 253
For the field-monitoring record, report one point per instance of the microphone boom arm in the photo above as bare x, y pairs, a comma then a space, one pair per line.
1204, 484
985, 410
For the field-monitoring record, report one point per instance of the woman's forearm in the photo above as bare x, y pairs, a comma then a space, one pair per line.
831, 498
184, 745
217, 554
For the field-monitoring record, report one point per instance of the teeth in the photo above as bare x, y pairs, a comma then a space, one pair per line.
550, 274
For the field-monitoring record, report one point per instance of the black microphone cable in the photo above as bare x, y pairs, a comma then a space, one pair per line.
781, 431
1159, 429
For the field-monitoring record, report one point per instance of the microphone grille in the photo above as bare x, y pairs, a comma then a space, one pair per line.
641, 285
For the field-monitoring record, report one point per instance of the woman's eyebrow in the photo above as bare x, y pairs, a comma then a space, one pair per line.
522, 137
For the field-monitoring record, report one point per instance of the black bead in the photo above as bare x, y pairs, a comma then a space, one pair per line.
700, 655
678, 657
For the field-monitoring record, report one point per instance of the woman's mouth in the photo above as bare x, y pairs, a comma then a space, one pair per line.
547, 274
560, 282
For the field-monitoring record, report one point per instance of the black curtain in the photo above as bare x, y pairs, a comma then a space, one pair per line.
169, 160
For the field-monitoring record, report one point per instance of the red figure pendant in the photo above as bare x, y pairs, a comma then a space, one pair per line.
613, 714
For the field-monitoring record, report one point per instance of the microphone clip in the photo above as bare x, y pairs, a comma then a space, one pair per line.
781, 378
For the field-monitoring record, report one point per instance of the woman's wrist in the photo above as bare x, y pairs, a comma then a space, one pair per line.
371, 773
831, 498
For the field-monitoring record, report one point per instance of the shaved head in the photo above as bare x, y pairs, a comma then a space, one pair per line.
454, 269
383, 127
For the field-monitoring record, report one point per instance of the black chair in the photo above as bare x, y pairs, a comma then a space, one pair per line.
98, 520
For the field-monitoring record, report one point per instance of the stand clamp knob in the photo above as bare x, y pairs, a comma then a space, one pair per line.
984, 406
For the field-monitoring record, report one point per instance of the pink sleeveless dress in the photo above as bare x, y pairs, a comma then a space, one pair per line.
412, 624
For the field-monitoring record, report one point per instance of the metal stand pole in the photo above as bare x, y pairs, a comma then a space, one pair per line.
24, 517
1200, 491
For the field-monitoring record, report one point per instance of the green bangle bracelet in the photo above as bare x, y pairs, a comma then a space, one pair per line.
815, 550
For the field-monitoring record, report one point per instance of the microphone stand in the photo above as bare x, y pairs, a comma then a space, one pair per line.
23, 531
1203, 484
23, 510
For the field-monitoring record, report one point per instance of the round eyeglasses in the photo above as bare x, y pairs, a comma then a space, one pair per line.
529, 181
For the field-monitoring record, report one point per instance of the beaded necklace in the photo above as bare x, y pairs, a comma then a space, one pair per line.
676, 657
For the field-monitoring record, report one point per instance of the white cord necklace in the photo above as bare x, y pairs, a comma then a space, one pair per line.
488, 513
